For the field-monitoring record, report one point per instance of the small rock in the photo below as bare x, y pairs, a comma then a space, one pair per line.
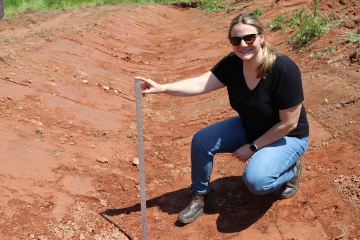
82, 73
9, 98
33, 121
93, 146
308, 168
39, 124
103, 203
85, 81
40, 130
106, 88
102, 160
135, 161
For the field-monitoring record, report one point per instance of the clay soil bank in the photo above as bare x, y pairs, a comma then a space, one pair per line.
69, 138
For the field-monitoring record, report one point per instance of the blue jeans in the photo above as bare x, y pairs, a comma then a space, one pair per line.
265, 172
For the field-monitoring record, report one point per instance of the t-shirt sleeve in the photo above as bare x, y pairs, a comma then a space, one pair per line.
220, 70
290, 92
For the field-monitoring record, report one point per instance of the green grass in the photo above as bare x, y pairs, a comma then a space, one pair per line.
13, 7
354, 40
323, 52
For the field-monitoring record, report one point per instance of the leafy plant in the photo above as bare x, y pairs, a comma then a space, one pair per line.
258, 11
311, 25
307, 24
278, 22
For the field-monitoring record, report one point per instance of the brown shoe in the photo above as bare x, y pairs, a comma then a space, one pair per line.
195, 208
292, 186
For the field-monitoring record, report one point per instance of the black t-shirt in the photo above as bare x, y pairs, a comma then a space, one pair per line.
259, 108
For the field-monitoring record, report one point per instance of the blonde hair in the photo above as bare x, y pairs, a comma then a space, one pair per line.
269, 52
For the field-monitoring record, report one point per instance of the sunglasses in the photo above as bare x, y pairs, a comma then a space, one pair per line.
249, 39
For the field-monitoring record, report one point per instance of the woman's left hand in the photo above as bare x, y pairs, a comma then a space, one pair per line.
243, 153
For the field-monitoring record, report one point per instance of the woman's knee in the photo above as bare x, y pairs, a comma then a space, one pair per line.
258, 184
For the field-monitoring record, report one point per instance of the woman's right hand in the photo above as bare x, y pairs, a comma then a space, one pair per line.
149, 86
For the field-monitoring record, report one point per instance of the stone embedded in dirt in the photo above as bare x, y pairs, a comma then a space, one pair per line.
102, 160
135, 161
354, 57
20, 107
9, 98
103, 203
40, 130
85, 81
39, 124
82, 73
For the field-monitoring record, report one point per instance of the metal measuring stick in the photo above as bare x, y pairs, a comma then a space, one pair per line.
2, 9
141, 157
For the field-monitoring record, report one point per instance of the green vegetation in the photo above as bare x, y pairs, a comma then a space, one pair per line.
324, 52
258, 11
214, 5
278, 22
308, 24
354, 40
15, 6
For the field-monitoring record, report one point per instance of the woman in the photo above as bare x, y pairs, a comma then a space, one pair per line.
271, 130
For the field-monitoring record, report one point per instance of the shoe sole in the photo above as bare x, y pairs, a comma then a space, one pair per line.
203, 210
297, 188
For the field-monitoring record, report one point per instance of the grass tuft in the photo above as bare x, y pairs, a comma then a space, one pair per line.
354, 40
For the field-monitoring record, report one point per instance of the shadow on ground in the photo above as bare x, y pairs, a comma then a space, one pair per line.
237, 207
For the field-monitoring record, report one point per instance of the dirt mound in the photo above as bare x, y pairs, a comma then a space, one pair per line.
68, 124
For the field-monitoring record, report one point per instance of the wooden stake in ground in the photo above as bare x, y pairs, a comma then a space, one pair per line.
141, 157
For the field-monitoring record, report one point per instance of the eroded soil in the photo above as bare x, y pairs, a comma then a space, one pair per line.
68, 127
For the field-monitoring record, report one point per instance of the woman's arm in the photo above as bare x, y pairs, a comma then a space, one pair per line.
189, 87
288, 121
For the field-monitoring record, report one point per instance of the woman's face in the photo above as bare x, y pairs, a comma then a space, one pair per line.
246, 51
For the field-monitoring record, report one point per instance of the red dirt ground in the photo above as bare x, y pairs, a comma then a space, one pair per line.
68, 127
